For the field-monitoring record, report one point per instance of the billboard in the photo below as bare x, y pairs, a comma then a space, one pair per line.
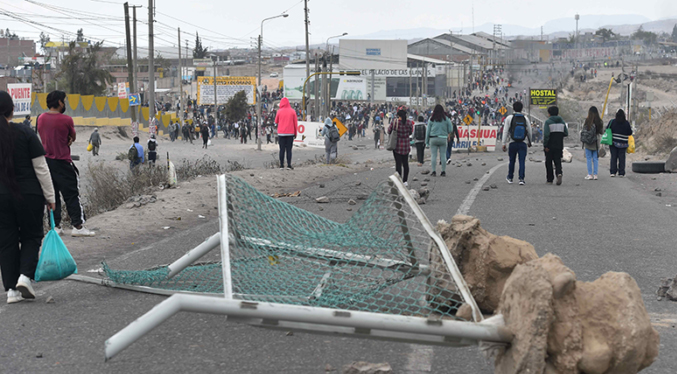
226, 87
343, 87
542, 98
21, 95
372, 54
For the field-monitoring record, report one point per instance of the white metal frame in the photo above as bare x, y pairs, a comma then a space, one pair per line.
358, 324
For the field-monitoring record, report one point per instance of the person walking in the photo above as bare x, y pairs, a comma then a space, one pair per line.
516, 130
402, 128
204, 130
135, 154
594, 125
57, 133
440, 130
420, 138
287, 129
152, 150
621, 131
377, 135
554, 132
331, 138
95, 141
25, 187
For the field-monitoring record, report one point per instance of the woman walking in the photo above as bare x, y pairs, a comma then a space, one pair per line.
440, 131
205, 135
403, 129
621, 131
25, 186
593, 123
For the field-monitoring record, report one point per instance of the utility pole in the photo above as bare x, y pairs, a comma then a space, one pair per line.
258, 91
181, 102
317, 86
215, 97
307, 43
151, 63
323, 105
191, 78
331, 70
136, 57
130, 64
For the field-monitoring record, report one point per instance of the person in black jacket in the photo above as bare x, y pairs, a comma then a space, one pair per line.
621, 131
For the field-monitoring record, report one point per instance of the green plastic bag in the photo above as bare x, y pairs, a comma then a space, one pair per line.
55, 261
607, 138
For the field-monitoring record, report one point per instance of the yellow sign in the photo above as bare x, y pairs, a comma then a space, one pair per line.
543, 98
226, 87
503, 111
340, 126
467, 120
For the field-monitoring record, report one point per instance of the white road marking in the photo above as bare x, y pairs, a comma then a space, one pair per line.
470, 199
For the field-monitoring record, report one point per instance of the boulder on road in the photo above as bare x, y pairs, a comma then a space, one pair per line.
671, 163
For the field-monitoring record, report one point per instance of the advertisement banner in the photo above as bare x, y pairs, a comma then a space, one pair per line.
309, 133
543, 98
226, 87
468, 137
21, 95
123, 88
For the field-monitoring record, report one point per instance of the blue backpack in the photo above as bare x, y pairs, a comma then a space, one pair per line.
518, 127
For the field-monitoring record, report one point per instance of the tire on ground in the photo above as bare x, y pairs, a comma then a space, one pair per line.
648, 167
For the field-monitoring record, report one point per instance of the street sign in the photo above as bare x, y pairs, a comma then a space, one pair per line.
467, 120
134, 99
122, 90
543, 97
503, 111
203, 62
340, 126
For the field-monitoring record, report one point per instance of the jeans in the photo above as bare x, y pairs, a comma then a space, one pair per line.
592, 157
553, 156
420, 152
516, 149
438, 145
449, 146
286, 143
617, 160
402, 162
331, 151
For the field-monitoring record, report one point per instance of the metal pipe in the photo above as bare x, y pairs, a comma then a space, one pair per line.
193, 255
225, 243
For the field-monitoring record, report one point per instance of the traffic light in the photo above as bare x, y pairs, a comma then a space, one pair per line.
478, 112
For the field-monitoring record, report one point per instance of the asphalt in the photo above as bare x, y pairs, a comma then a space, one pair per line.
594, 226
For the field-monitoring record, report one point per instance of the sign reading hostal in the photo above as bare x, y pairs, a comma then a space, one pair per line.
226, 87
21, 95
543, 98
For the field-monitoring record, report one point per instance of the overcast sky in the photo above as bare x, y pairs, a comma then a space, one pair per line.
227, 23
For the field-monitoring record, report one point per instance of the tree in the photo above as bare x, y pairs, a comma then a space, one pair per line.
606, 34
236, 107
572, 38
647, 37
80, 36
199, 51
674, 34
81, 73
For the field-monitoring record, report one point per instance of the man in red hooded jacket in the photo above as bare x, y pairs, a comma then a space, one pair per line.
287, 125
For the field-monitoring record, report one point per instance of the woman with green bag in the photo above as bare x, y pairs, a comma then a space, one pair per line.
620, 132
25, 187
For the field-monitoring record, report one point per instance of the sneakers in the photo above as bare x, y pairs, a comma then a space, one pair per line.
25, 288
448, 161
559, 180
443, 174
281, 168
588, 177
14, 296
508, 180
83, 232
290, 167
613, 175
58, 230
433, 174
522, 182
548, 182
621, 176
594, 177
406, 184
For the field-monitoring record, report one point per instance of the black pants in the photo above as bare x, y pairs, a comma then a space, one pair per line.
21, 233
66, 179
268, 139
402, 161
286, 143
553, 156
617, 160
420, 152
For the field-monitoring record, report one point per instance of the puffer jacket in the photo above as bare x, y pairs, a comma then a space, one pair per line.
286, 120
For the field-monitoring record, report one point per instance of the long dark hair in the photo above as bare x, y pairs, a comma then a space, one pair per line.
620, 116
593, 118
7, 144
438, 114
402, 115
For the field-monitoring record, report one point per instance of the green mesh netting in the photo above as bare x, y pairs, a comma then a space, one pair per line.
381, 260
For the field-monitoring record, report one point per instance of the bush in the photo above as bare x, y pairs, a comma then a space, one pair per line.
187, 170
664, 144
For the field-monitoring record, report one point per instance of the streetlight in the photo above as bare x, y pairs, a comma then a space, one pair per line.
258, 101
327, 84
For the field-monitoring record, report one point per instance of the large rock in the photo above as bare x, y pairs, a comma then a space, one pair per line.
484, 259
593, 328
567, 156
671, 163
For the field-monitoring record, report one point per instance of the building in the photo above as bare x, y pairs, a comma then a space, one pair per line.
13, 48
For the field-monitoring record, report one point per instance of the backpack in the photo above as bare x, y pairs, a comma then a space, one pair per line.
334, 135
133, 154
589, 136
518, 127
152, 146
419, 131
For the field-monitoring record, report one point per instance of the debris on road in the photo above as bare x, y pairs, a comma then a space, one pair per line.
667, 289
329, 368
50, 300
493, 186
322, 200
288, 194
486, 188
567, 156
425, 172
362, 367
352, 202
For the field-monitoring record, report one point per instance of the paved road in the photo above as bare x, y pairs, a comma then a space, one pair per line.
594, 226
